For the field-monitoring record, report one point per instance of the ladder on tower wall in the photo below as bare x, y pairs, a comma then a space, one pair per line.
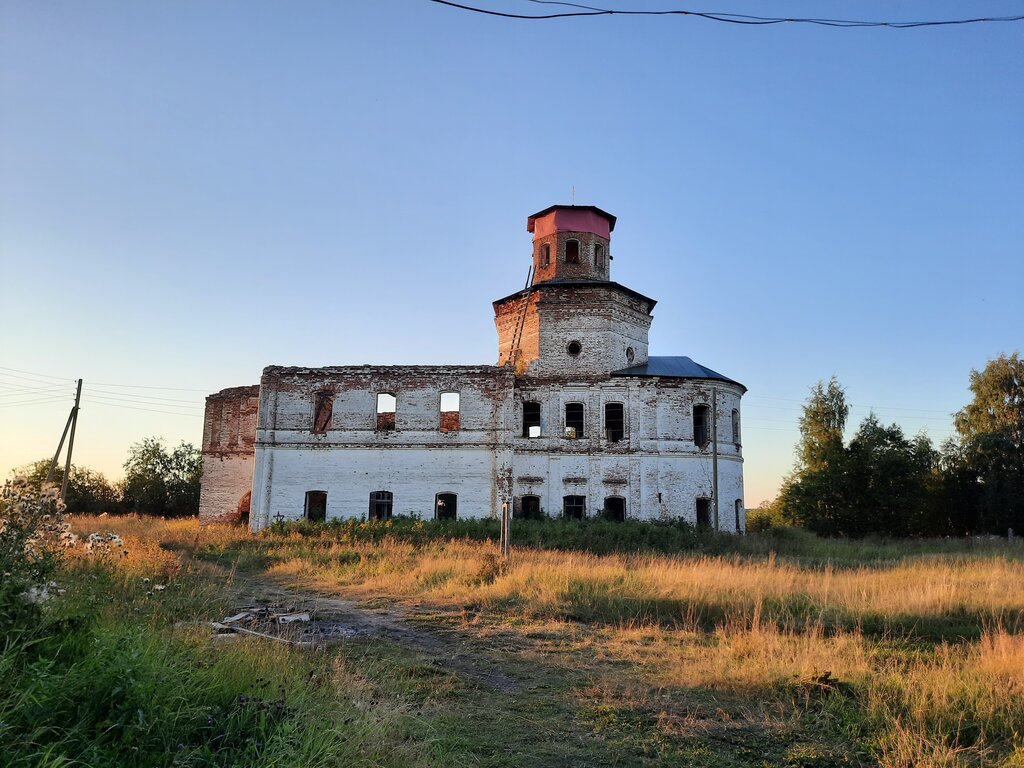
517, 333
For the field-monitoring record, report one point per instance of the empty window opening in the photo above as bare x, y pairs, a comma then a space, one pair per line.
545, 255
614, 422
704, 513
736, 426
598, 254
323, 407
450, 412
700, 425
574, 420
445, 506
386, 405
529, 508
574, 507
739, 513
572, 251
381, 505
615, 509
531, 419
316, 506
574, 348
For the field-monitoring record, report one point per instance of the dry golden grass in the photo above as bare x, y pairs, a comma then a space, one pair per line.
921, 656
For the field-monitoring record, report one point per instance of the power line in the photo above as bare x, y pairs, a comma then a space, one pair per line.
728, 18
35, 402
115, 401
144, 386
132, 396
37, 375
150, 410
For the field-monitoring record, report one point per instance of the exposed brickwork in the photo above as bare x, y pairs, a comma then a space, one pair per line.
229, 437
318, 429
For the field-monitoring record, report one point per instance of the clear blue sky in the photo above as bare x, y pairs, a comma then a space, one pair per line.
190, 191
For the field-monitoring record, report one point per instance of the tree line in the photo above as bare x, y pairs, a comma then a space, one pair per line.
158, 480
884, 482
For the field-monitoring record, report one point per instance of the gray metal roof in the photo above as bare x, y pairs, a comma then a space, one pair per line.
674, 367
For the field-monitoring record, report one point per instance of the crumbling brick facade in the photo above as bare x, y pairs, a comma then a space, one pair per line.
229, 446
575, 418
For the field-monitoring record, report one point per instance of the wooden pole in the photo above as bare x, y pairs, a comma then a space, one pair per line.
60, 446
71, 441
506, 531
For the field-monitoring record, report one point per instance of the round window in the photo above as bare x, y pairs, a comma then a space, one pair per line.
574, 348
629, 354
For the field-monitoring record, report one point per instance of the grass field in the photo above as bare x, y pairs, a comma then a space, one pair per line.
777, 649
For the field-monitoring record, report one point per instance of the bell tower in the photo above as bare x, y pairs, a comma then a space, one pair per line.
571, 242
572, 321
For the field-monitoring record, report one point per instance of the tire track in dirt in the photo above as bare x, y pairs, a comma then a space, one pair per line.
335, 619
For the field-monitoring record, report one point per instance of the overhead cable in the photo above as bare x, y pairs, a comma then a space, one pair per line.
728, 18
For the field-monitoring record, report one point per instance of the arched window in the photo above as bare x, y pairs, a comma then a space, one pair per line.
572, 251
545, 255
739, 513
529, 508
450, 419
381, 504
598, 254
316, 506
446, 506
574, 507
615, 509
701, 431
387, 404
736, 426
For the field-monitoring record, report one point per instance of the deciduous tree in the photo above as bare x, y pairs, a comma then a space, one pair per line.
991, 442
159, 481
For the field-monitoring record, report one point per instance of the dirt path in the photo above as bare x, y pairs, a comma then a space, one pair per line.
335, 619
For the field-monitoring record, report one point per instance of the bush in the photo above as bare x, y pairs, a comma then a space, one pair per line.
89, 492
32, 538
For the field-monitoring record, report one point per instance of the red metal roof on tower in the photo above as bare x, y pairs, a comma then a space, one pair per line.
581, 208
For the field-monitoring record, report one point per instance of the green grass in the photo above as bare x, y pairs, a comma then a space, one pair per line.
719, 651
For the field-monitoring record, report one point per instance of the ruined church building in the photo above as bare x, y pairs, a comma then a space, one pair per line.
575, 420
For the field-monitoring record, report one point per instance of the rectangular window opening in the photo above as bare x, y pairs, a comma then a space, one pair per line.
574, 420
572, 251
323, 407
450, 421
316, 506
615, 509
529, 508
446, 506
574, 507
700, 425
704, 513
381, 503
386, 406
531, 419
614, 422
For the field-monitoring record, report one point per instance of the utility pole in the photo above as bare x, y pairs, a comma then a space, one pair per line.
506, 531
714, 451
72, 422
